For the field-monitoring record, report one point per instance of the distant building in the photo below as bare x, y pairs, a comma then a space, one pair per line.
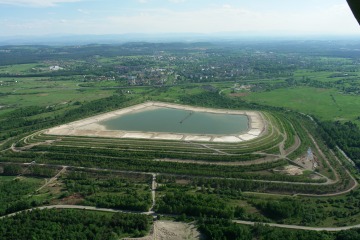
55, 68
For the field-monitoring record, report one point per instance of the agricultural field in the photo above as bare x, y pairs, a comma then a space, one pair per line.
300, 173
327, 104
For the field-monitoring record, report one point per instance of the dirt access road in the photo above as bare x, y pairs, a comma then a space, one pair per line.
328, 229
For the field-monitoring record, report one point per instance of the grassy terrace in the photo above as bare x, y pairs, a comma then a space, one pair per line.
270, 138
256, 165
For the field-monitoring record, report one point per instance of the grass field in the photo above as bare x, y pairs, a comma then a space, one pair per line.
26, 92
314, 101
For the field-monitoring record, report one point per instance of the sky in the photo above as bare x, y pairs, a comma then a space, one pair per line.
103, 17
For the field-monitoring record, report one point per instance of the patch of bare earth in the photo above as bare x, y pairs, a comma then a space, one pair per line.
290, 170
293, 170
308, 164
169, 230
71, 200
182, 181
54, 188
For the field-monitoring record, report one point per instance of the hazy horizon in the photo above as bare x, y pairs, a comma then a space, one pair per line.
85, 39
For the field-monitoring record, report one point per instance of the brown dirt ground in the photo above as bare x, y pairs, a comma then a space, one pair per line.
293, 170
182, 181
169, 230
71, 200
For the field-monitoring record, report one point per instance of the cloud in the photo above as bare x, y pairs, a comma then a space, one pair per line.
333, 19
227, 18
36, 3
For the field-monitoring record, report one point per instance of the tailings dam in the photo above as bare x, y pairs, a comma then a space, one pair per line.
165, 121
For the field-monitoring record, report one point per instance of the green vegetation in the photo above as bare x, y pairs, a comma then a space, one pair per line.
73, 224
346, 136
223, 229
194, 205
14, 194
306, 211
231, 201
314, 101
109, 190
33, 118
18, 184
306, 92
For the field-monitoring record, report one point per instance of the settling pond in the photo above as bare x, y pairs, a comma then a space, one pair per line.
171, 120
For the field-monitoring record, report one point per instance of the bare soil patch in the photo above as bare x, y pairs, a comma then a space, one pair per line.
308, 164
293, 170
182, 181
169, 230
55, 188
71, 200
290, 170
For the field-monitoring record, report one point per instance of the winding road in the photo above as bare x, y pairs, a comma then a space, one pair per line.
89, 208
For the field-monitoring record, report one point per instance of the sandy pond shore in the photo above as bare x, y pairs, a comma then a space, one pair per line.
91, 127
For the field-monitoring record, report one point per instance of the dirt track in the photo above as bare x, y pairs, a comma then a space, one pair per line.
166, 227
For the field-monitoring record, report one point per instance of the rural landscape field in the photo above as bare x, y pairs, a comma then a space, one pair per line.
292, 174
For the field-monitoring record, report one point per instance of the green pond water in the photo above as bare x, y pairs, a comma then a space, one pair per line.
178, 121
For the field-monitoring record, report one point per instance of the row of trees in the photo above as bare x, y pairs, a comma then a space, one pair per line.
37, 171
64, 155
345, 135
134, 202
149, 153
72, 224
342, 85
254, 186
109, 191
13, 195
26, 119
226, 230
194, 205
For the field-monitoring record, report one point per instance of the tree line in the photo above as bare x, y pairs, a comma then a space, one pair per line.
72, 225
345, 135
220, 229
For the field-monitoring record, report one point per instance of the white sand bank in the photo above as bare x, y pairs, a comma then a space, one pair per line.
91, 127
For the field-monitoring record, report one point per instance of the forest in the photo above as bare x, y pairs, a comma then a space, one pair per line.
224, 229
72, 224
344, 135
